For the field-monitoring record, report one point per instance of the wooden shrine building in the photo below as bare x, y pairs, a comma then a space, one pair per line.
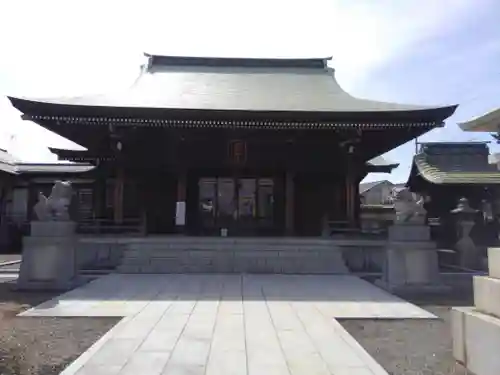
448, 171
236, 146
445, 172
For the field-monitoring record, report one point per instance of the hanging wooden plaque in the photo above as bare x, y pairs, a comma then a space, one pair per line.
237, 152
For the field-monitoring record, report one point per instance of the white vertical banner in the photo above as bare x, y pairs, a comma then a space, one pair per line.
180, 213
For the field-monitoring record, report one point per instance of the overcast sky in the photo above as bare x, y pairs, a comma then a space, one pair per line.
410, 51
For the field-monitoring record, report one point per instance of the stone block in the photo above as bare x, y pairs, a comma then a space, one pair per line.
494, 262
409, 232
275, 265
412, 266
49, 261
476, 339
52, 228
487, 295
240, 255
223, 263
457, 329
128, 269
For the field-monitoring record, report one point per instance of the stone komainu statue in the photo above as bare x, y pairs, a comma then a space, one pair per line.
407, 208
56, 206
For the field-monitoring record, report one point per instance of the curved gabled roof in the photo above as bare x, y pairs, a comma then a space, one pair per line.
455, 163
235, 84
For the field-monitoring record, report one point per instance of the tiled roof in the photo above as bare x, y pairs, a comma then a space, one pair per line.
455, 163
235, 84
489, 122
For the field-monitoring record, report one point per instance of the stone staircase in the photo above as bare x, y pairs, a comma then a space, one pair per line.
476, 330
232, 255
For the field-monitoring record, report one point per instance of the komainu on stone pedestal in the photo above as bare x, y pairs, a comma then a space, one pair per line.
412, 263
49, 253
406, 207
56, 206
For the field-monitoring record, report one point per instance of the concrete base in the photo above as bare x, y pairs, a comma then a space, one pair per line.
49, 257
52, 229
487, 295
412, 267
494, 262
409, 232
50, 286
233, 255
476, 339
476, 331
413, 289
411, 262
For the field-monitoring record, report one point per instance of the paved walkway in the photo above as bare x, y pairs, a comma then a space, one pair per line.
227, 324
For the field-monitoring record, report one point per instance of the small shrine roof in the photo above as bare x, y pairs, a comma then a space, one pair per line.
12, 165
64, 168
455, 163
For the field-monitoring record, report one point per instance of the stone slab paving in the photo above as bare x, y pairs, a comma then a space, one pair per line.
7, 277
227, 324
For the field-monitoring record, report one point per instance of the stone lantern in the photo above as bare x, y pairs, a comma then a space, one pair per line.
465, 217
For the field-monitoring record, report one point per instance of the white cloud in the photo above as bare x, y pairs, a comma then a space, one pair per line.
60, 47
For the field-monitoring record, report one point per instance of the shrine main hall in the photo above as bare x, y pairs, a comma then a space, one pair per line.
230, 146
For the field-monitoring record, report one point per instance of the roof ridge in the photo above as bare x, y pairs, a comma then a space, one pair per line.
250, 62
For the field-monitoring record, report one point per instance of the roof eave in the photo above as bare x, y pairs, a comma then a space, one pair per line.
489, 123
31, 107
381, 168
440, 178
57, 168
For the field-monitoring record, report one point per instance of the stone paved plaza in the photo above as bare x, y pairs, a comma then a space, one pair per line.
228, 324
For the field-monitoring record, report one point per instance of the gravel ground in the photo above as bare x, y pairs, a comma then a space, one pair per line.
413, 347
42, 346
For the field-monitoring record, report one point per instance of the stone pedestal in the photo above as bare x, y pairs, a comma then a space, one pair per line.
49, 257
476, 330
411, 261
469, 254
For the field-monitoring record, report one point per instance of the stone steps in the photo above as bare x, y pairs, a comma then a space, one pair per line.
476, 330
227, 255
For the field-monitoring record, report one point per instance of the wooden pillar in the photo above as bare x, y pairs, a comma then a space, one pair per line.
118, 195
357, 204
289, 203
350, 199
181, 187
99, 195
